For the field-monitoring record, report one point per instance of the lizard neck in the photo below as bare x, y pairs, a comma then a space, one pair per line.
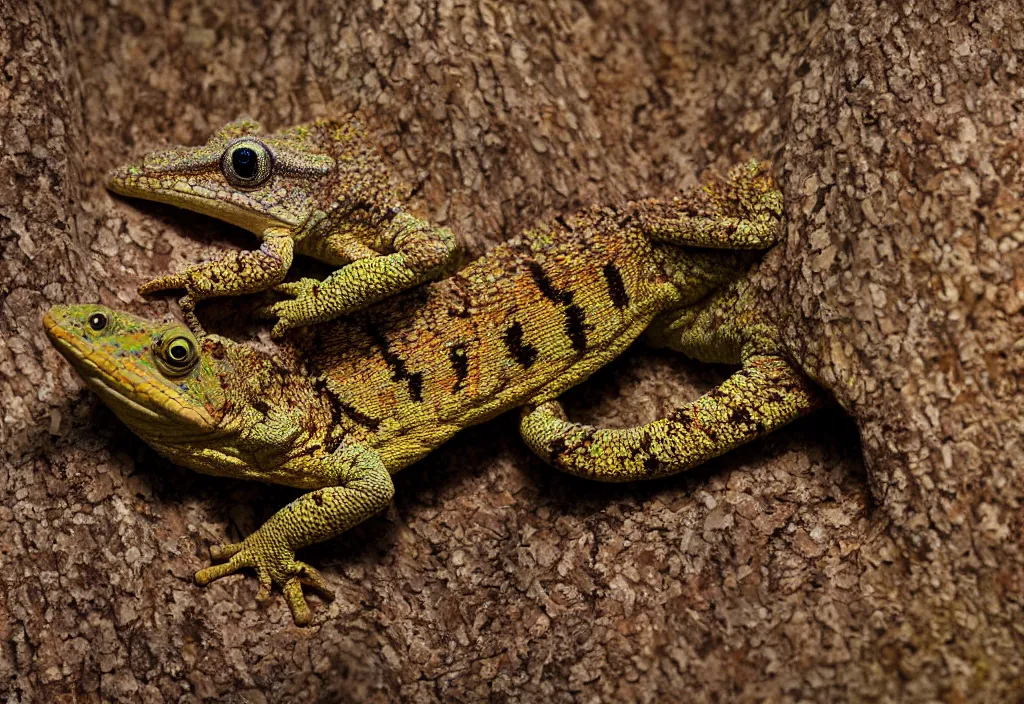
269, 413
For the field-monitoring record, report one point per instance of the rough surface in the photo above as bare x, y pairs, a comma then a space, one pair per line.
795, 568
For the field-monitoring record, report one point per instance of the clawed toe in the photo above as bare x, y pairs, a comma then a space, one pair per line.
297, 602
282, 326
215, 572
289, 288
226, 551
311, 577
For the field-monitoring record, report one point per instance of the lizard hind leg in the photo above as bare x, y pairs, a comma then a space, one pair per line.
765, 394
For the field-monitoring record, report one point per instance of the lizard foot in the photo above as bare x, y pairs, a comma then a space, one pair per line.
275, 566
304, 308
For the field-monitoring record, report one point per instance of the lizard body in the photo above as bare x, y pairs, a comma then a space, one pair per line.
361, 397
319, 189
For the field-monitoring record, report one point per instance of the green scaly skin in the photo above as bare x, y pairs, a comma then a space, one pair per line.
368, 394
319, 189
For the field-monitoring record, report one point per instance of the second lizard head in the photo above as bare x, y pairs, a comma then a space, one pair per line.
260, 181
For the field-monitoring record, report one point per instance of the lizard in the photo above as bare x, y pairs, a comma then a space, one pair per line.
346, 404
319, 189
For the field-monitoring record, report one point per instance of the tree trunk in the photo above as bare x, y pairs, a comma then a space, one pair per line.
812, 565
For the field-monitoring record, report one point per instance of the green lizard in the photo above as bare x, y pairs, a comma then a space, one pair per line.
357, 399
319, 189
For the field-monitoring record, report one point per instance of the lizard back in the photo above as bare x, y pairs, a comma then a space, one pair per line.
531, 318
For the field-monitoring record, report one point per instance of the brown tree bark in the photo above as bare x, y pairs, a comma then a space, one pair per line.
819, 564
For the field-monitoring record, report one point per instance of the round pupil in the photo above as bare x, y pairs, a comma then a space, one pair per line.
97, 321
244, 162
178, 351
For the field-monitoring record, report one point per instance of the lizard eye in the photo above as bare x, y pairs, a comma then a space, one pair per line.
178, 355
246, 163
97, 321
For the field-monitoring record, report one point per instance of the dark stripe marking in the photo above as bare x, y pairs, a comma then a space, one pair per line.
616, 287
740, 416
399, 372
340, 409
460, 364
334, 442
522, 352
335, 434
575, 319
546, 287
416, 386
358, 416
576, 327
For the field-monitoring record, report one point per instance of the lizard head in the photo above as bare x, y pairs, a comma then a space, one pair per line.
260, 181
207, 403
157, 377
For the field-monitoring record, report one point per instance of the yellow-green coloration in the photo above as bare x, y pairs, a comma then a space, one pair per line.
368, 394
320, 190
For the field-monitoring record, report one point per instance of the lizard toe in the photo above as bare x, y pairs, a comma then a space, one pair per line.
297, 602
226, 551
266, 585
215, 572
278, 313
289, 288
276, 567
163, 283
311, 577
282, 326
265, 312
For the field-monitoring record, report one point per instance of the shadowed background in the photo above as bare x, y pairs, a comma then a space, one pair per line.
868, 554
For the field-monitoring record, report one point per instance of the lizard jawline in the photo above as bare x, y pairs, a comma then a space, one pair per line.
205, 202
190, 422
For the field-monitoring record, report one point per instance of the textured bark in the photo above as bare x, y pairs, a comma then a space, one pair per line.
797, 568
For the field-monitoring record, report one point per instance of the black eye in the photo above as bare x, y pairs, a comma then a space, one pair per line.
180, 353
244, 162
97, 321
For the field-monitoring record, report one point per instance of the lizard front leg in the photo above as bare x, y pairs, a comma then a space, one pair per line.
764, 395
363, 489
234, 274
422, 252
743, 211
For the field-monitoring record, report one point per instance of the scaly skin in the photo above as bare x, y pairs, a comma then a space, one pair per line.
364, 396
318, 189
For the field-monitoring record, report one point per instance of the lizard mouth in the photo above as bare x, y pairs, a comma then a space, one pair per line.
130, 390
200, 195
